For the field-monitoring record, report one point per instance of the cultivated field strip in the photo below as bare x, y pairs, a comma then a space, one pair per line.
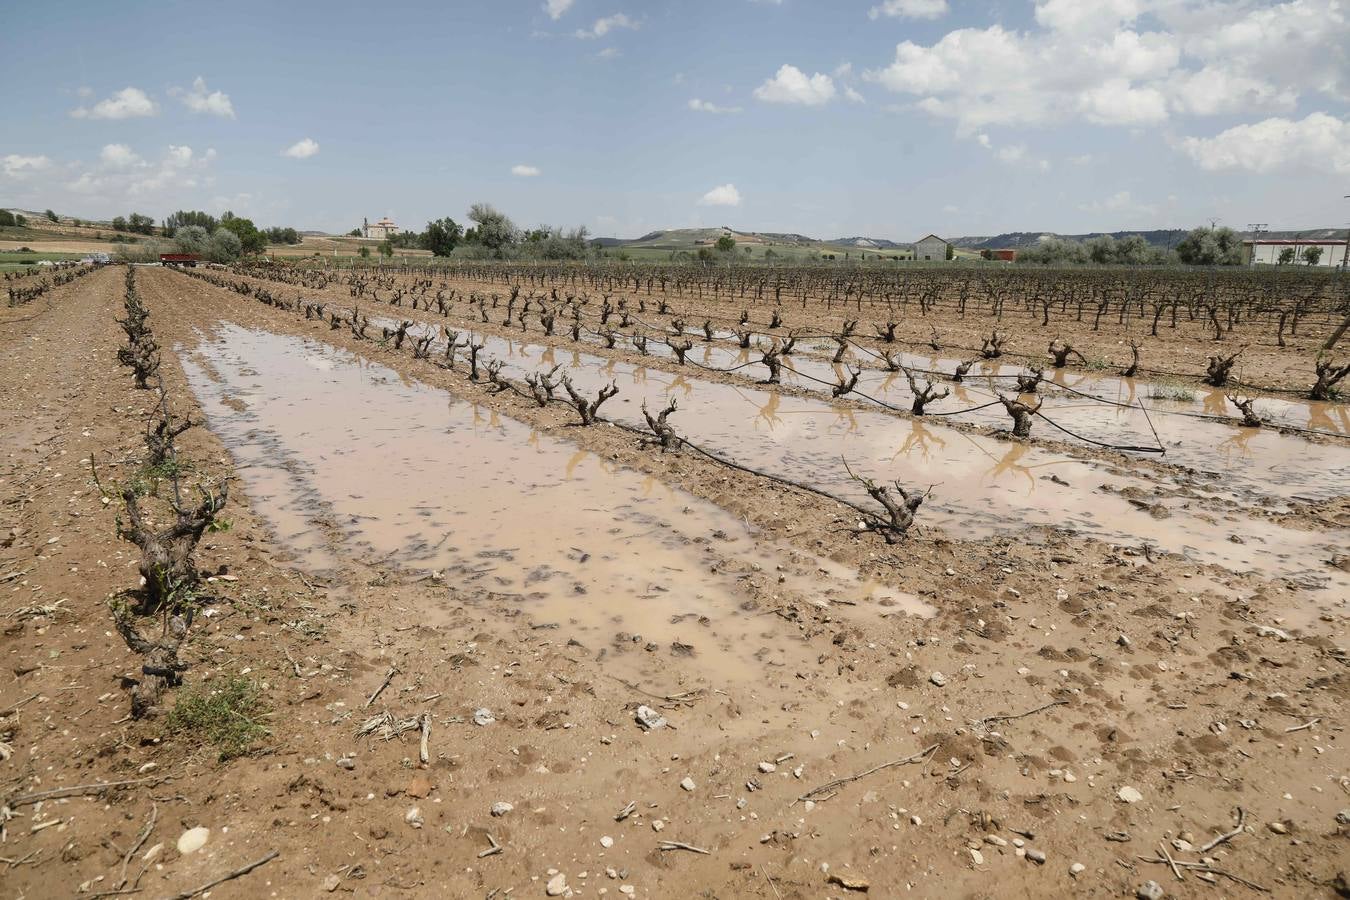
982, 486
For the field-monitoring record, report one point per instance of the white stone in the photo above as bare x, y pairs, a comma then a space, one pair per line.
193, 840
1129, 794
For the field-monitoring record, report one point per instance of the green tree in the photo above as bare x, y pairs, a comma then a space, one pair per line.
6, 219
53, 216
364, 253
355, 232
251, 240
224, 246
189, 217
1210, 247
726, 243
192, 239
140, 224
1286, 256
20, 219
494, 230
1312, 256
386, 249
119, 223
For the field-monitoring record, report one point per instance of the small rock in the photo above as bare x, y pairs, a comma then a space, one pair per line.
649, 719
1123, 640
767, 767
557, 885
1149, 890
483, 716
627, 890
1278, 827
977, 857
1077, 869
938, 679
1035, 856
1070, 777
193, 840
419, 786
346, 762
688, 783
995, 841
331, 883
657, 824
606, 841
1343, 817
501, 808
915, 820
1129, 794
413, 817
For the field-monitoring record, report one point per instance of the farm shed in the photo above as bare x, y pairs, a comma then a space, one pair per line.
1268, 252
932, 247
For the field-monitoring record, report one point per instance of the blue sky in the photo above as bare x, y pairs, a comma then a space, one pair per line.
885, 118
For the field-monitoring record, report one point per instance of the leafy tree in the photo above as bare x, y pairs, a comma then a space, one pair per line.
277, 235
1210, 247
441, 236
1286, 256
53, 216
189, 217
364, 253
355, 232
20, 219
251, 239
705, 255
225, 246
726, 243
494, 230
1312, 256
119, 223
192, 239
140, 224
6, 219
386, 249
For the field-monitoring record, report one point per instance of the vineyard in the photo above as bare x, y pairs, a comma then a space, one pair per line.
500, 579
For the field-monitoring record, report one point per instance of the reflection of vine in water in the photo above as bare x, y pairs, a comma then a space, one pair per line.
639, 375
1236, 447
846, 416
546, 357
768, 413
1319, 417
573, 462
1216, 402
918, 438
680, 384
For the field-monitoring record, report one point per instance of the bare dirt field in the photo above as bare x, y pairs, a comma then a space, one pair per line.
444, 640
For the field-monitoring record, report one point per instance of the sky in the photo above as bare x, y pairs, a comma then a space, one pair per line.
878, 118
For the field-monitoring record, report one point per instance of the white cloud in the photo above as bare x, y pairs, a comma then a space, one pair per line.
605, 25
302, 149
118, 156
1100, 63
791, 85
722, 195
853, 96
909, 9
698, 105
608, 53
20, 167
525, 171
843, 70
128, 103
200, 100
1120, 202
1013, 153
1319, 142
556, 8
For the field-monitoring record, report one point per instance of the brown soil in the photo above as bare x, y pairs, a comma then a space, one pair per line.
1193, 709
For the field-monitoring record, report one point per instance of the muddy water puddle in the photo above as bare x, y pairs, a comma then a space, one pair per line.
981, 486
343, 455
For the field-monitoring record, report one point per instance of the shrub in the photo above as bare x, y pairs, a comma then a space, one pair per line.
227, 717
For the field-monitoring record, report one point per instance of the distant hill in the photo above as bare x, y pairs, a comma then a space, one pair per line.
1166, 238
867, 243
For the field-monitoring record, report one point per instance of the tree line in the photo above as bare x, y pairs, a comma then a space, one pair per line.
1200, 247
492, 235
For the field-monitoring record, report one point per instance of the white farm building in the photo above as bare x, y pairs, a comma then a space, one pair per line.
385, 228
932, 247
1294, 252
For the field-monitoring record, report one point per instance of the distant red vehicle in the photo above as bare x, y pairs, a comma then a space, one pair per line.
179, 259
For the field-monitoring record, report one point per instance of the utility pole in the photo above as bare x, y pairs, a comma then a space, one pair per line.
1256, 228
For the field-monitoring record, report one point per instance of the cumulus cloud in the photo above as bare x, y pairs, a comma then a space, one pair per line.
909, 9
119, 156
128, 103
302, 149
525, 171
722, 195
1119, 202
200, 100
1098, 62
556, 8
605, 25
698, 105
1320, 142
20, 167
792, 85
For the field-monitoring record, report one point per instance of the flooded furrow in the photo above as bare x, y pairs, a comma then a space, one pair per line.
981, 486
344, 455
